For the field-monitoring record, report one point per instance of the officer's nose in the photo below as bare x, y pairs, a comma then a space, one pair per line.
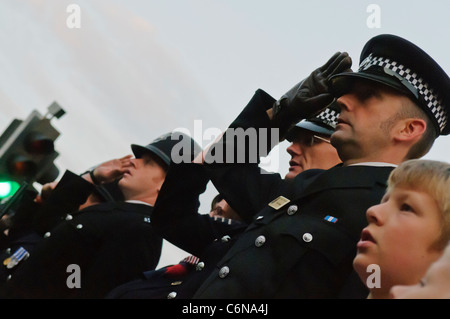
134, 161
346, 102
293, 149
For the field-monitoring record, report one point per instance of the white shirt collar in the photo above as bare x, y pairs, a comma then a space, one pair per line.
134, 201
379, 164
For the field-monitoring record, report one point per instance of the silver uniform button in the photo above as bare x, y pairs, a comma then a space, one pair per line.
47, 234
224, 271
260, 240
307, 237
200, 266
292, 209
69, 217
172, 295
79, 226
259, 217
225, 239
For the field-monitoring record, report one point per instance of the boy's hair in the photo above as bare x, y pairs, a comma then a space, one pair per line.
431, 177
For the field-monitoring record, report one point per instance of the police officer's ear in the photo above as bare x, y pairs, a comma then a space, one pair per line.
160, 184
409, 130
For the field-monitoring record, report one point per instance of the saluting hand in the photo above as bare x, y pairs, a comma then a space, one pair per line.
45, 191
112, 169
310, 96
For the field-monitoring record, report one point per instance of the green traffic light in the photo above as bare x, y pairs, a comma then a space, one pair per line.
8, 188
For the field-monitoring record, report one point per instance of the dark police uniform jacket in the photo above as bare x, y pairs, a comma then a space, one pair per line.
176, 218
32, 220
110, 243
303, 249
21, 237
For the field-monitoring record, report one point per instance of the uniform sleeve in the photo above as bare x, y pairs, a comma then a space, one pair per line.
70, 192
176, 214
237, 176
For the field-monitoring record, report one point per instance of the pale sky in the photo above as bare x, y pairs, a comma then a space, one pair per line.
136, 69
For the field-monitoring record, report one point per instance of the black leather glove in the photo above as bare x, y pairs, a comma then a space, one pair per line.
310, 96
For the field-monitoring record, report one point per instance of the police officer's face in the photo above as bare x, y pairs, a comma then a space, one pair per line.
401, 238
434, 285
366, 121
309, 150
222, 209
143, 179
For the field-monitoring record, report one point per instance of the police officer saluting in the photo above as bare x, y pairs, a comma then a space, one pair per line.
302, 237
102, 245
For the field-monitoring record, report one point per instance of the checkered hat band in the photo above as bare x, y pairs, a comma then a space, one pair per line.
433, 103
328, 117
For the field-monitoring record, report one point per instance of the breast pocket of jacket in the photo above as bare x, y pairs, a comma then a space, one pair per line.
304, 235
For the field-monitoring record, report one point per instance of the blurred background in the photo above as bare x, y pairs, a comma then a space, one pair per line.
128, 71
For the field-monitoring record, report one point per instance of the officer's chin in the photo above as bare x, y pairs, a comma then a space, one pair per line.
293, 171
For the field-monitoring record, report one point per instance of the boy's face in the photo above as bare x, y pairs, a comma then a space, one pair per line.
400, 236
434, 285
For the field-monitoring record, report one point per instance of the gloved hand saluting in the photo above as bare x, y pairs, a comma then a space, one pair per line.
310, 96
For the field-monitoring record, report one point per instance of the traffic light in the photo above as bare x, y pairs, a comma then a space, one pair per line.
27, 151
8, 188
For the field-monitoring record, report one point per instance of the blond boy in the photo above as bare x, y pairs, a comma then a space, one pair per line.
408, 230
